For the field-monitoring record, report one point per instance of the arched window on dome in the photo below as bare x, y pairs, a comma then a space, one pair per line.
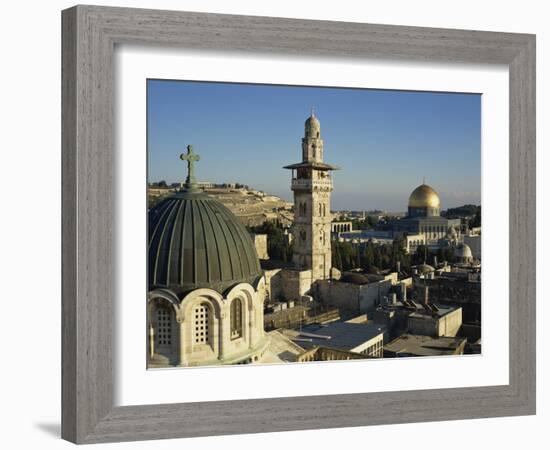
202, 318
164, 327
236, 318
163, 333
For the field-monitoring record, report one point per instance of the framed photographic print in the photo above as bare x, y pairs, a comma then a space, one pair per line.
278, 224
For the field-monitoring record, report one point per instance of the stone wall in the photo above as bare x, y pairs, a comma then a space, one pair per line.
328, 354
273, 285
286, 284
260, 243
292, 317
371, 295
295, 283
340, 294
448, 325
355, 298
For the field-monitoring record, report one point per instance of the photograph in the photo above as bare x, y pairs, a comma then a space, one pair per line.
294, 224
259, 224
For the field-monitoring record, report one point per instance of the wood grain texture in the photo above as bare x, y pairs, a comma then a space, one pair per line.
89, 36
68, 227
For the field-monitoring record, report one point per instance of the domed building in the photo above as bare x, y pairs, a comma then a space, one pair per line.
424, 202
463, 254
423, 224
205, 284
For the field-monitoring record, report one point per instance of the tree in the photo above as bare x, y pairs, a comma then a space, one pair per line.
278, 246
445, 254
460, 211
368, 255
336, 257
344, 255
421, 255
399, 254
476, 220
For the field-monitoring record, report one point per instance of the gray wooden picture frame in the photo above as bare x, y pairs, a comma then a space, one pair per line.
90, 34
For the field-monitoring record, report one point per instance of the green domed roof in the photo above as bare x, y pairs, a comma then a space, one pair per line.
196, 242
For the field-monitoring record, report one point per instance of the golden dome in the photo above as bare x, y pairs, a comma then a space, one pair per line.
424, 197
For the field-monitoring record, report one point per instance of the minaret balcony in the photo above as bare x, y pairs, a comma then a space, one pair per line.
306, 184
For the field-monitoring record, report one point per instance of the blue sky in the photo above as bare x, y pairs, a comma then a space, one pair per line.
384, 141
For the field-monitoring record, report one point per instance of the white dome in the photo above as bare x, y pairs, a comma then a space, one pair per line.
424, 269
463, 251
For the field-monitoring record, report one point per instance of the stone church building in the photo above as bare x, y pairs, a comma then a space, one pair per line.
204, 302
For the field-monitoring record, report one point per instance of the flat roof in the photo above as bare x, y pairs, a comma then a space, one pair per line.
338, 335
419, 312
280, 349
416, 345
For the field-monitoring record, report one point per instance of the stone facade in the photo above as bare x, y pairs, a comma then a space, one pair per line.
341, 227
312, 249
273, 285
295, 283
205, 327
412, 241
354, 298
446, 325
430, 229
260, 243
300, 314
312, 187
283, 284
328, 354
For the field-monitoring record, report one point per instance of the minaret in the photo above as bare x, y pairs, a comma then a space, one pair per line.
312, 185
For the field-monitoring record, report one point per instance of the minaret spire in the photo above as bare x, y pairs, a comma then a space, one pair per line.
191, 158
312, 187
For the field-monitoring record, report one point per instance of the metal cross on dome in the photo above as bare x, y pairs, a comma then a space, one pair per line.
191, 158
